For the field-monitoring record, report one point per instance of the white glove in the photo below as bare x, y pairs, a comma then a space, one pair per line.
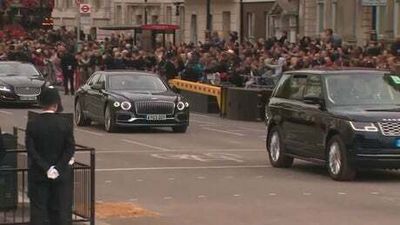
72, 161
52, 173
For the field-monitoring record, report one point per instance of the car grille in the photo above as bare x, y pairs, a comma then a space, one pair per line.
149, 107
390, 128
27, 90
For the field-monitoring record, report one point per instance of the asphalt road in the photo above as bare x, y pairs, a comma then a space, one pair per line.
217, 173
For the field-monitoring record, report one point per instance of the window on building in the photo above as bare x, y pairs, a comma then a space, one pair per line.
378, 20
96, 4
267, 25
68, 4
250, 25
130, 18
226, 22
275, 24
320, 15
193, 29
181, 23
396, 22
154, 19
168, 15
118, 14
139, 19
334, 12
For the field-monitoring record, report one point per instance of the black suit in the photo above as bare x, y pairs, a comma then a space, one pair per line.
50, 142
68, 67
2, 150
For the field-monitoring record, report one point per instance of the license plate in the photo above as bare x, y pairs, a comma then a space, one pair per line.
156, 117
397, 143
28, 98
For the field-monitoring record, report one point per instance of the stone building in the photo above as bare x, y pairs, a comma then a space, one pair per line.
357, 21
120, 13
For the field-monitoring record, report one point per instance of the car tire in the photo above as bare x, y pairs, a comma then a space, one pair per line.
339, 166
109, 120
276, 150
80, 118
180, 129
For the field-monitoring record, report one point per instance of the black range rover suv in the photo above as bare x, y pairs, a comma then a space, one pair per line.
344, 119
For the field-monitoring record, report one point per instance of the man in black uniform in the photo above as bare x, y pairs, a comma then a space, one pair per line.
68, 67
51, 146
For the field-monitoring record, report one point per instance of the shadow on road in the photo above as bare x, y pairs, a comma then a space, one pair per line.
383, 176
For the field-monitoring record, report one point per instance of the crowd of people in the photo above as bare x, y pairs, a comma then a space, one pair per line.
215, 61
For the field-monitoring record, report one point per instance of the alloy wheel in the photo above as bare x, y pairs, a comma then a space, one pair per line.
274, 147
335, 162
78, 114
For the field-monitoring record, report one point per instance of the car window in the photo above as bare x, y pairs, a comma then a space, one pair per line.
140, 83
93, 79
314, 86
283, 88
297, 86
102, 79
18, 70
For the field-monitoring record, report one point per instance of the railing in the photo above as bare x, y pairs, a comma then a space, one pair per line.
14, 203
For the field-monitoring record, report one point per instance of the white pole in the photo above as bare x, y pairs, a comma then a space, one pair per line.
78, 35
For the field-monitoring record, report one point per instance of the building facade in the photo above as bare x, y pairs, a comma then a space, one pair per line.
256, 19
120, 13
357, 21
225, 17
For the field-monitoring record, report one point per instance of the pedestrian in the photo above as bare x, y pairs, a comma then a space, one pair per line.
51, 147
68, 66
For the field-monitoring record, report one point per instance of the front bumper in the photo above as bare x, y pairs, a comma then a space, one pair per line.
11, 98
374, 150
129, 119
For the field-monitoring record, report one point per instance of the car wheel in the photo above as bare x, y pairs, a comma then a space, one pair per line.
180, 129
80, 118
339, 166
276, 150
109, 121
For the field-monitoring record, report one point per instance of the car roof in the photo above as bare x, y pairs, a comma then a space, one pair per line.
14, 62
128, 72
339, 71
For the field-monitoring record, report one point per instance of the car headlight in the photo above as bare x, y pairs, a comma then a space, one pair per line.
126, 106
366, 127
117, 104
187, 104
5, 88
180, 106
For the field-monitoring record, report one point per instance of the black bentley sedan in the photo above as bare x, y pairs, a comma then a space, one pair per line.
20, 83
344, 119
130, 99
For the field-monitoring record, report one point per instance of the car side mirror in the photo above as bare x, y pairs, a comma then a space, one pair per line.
314, 100
175, 89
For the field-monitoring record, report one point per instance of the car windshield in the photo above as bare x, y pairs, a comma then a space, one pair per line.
18, 70
363, 89
140, 83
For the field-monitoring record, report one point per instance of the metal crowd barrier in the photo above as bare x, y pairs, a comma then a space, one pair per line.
14, 201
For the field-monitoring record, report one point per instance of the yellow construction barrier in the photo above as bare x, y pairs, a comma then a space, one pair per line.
199, 88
